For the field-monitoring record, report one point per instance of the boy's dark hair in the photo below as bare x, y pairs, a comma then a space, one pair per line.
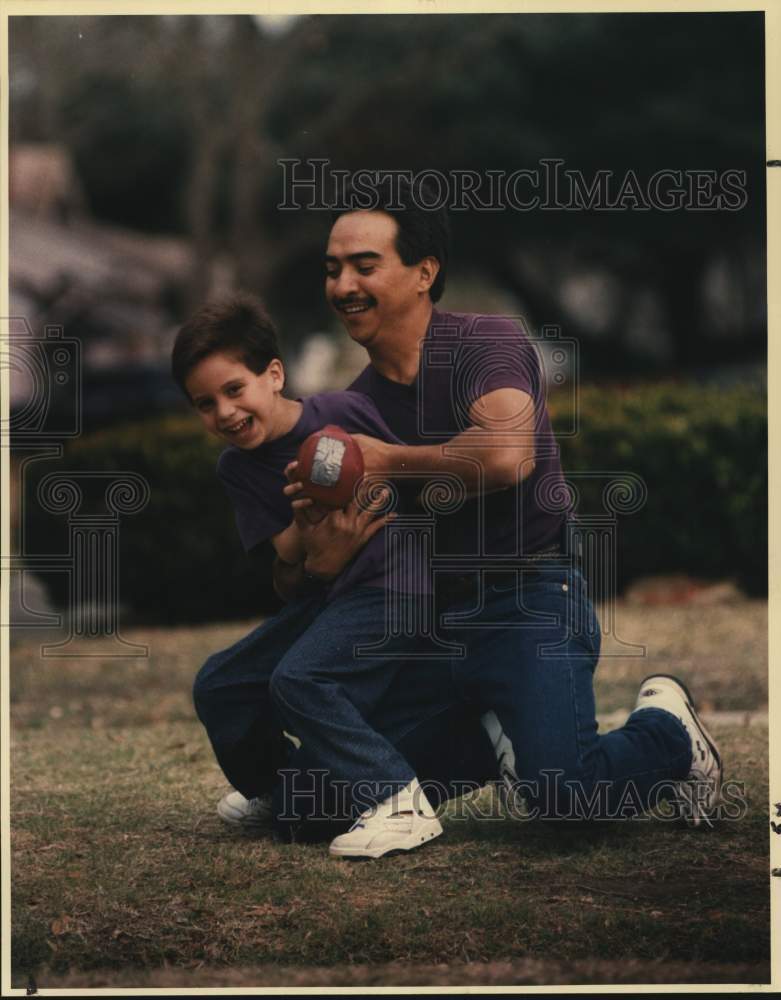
423, 232
237, 324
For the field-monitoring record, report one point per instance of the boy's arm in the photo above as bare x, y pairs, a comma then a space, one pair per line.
321, 548
289, 545
288, 574
290, 579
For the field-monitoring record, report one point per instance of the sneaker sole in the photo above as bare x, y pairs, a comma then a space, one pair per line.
695, 819
413, 842
242, 822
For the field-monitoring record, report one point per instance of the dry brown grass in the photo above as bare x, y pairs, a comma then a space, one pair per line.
123, 876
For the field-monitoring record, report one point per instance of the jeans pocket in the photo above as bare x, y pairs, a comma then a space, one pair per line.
566, 594
585, 623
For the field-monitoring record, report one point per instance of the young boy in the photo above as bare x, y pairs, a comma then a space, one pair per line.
298, 670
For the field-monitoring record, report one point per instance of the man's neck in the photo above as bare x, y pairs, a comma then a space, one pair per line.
399, 358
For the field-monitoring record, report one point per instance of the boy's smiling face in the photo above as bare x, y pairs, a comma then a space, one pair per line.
234, 403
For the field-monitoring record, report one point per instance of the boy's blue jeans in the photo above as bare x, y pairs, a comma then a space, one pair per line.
297, 672
529, 656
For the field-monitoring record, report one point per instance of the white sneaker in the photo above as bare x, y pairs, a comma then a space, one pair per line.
249, 814
699, 792
402, 822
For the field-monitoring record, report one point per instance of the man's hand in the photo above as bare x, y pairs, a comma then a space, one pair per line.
334, 540
331, 539
321, 542
376, 454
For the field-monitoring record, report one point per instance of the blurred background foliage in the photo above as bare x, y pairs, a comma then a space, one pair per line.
145, 177
175, 125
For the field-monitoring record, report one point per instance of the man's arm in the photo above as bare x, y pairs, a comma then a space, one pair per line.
501, 444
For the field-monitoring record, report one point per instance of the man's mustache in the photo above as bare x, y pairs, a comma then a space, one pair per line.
353, 300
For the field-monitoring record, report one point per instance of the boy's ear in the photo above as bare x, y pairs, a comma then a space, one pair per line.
277, 371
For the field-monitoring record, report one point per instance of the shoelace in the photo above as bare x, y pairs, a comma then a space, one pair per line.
360, 823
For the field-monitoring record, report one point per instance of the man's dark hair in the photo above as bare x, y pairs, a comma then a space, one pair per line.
423, 232
237, 324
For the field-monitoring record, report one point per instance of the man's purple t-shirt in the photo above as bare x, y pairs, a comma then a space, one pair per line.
254, 480
463, 357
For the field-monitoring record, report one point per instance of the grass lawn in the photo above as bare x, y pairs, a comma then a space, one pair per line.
123, 875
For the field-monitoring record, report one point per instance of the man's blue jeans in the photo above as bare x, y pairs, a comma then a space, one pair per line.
530, 656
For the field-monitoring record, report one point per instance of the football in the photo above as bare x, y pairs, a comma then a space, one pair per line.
330, 463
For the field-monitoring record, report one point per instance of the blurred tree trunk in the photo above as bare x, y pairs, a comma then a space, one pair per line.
259, 66
199, 214
253, 157
209, 135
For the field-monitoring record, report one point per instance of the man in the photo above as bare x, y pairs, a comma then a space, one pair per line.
466, 396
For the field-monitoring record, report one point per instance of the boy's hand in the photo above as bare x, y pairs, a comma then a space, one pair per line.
333, 540
315, 512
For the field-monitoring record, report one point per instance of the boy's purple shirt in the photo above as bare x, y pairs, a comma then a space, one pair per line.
254, 481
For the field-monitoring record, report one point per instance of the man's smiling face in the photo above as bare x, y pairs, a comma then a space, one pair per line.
369, 288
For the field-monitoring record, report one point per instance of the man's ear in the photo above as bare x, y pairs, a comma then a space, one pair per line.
429, 269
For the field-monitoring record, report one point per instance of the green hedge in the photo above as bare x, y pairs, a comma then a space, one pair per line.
180, 557
702, 454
